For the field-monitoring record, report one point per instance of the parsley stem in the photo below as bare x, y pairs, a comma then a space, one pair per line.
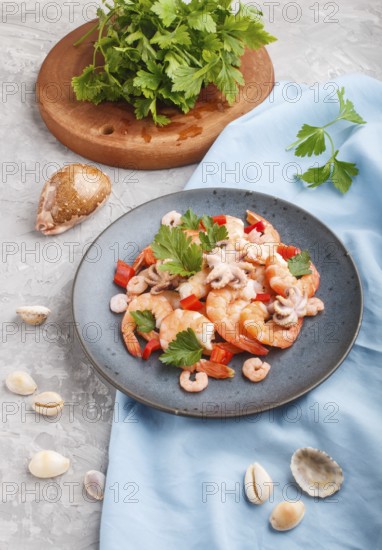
331, 142
86, 35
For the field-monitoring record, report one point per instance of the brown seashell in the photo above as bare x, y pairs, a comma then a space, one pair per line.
69, 196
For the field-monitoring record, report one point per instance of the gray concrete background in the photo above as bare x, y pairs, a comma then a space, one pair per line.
317, 42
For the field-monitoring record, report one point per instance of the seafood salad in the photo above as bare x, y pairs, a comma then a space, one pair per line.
208, 288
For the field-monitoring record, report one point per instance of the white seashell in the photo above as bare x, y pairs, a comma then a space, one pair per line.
48, 403
287, 515
21, 383
316, 472
46, 464
33, 315
257, 484
118, 303
69, 196
94, 483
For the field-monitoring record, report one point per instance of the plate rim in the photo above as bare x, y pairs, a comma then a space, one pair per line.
250, 410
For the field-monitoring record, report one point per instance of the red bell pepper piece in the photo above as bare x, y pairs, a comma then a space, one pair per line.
259, 226
191, 303
287, 251
124, 272
220, 220
152, 345
220, 355
262, 297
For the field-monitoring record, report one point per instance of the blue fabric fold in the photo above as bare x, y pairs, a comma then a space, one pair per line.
177, 483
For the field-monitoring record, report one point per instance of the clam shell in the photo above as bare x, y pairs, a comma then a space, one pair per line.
94, 483
287, 515
257, 484
46, 464
69, 196
48, 403
20, 382
33, 315
316, 472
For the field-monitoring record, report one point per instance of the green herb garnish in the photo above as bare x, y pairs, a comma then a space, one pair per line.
182, 256
311, 141
300, 264
190, 220
213, 235
167, 51
185, 350
145, 320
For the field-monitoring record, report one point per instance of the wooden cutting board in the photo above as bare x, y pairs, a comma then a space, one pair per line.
109, 133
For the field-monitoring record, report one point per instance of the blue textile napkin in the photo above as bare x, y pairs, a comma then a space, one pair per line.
176, 483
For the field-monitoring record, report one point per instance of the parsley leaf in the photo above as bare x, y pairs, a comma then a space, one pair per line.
314, 141
190, 220
300, 264
164, 52
182, 256
342, 174
347, 111
184, 351
311, 140
145, 320
214, 234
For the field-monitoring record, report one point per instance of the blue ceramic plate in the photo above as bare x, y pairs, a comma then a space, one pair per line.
323, 344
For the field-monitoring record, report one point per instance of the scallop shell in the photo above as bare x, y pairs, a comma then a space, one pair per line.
33, 315
94, 483
48, 403
287, 515
46, 464
20, 382
257, 484
316, 472
69, 196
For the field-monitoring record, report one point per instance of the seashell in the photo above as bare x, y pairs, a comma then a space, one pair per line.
69, 196
118, 303
316, 472
94, 483
48, 403
48, 464
33, 315
20, 382
287, 515
257, 484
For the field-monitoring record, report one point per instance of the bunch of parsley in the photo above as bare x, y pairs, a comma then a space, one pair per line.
166, 51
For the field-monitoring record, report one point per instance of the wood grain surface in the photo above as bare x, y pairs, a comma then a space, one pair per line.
110, 134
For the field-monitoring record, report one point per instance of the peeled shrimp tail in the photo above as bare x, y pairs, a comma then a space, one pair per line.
128, 327
214, 370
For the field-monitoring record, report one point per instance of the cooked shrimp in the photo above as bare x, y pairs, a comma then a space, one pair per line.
255, 370
214, 370
118, 303
145, 258
281, 279
172, 296
159, 307
180, 320
269, 235
172, 219
199, 384
224, 307
235, 228
196, 285
253, 322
